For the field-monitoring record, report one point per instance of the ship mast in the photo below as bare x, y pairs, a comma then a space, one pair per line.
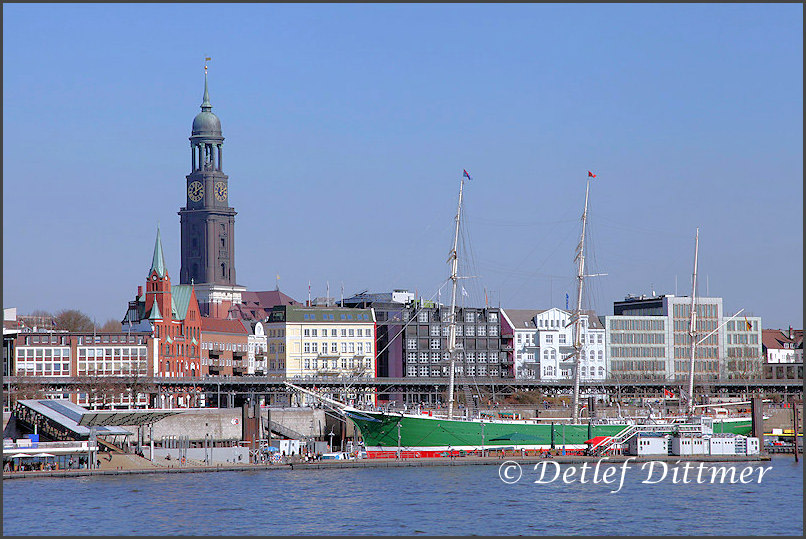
454, 260
580, 259
692, 326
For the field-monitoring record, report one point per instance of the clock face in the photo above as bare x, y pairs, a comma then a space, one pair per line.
195, 191
221, 191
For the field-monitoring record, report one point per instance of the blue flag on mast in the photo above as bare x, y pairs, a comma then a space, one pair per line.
466, 175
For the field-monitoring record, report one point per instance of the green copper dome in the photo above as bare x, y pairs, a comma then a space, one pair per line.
205, 122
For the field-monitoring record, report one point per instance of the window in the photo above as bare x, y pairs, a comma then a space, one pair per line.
411, 344
423, 316
306, 332
470, 317
434, 344
344, 348
423, 357
313, 333
482, 331
470, 356
561, 338
435, 330
351, 332
314, 348
343, 331
549, 339
470, 331
334, 348
411, 357
411, 370
493, 331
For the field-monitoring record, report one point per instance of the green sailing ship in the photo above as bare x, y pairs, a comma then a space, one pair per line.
408, 435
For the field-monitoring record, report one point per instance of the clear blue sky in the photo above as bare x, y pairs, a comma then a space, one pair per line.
347, 128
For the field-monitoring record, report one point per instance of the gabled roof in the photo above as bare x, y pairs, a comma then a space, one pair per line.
258, 305
218, 325
524, 318
180, 300
776, 338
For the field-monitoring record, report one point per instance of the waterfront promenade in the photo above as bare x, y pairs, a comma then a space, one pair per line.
136, 465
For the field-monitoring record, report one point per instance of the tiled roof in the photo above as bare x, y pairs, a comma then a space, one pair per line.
776, 338
218, 325
258, 305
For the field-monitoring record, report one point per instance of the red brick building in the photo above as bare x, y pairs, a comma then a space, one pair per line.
171, 314
224, 347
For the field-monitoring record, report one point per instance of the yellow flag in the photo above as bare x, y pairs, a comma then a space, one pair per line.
207, 58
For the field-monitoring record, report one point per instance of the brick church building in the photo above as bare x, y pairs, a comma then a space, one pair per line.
171, 314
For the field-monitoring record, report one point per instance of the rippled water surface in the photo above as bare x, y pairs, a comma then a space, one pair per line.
445, 500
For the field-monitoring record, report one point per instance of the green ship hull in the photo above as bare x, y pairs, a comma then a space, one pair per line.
428, 436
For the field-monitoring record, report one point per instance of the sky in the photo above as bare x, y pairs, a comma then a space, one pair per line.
347, 128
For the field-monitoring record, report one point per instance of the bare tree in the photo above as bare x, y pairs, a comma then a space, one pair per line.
73, 320
110, 326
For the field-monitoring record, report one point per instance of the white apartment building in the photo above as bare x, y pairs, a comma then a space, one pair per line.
310, 342
257, 349
543, 342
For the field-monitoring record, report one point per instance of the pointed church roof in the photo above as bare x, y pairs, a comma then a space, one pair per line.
158, 260
206, 123
206, 106
155, 313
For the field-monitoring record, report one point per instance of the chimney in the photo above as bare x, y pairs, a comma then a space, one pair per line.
791, 334
139, 291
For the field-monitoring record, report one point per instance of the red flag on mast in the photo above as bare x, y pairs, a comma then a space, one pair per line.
591, 174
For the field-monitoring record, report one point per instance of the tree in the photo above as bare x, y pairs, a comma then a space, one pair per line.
110, 326
73, 320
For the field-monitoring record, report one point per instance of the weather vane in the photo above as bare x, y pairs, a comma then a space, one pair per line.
206, 59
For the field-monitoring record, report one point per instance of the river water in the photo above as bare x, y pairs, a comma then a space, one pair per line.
443, 500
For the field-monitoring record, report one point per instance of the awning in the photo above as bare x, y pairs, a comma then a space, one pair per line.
21, 455
44, 455
597, 440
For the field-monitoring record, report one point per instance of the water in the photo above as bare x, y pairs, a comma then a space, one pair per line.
444, 500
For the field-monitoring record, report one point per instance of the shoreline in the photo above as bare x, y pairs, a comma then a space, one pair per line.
386, 463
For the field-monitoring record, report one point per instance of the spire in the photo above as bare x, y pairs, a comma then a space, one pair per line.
206, 106
158, 261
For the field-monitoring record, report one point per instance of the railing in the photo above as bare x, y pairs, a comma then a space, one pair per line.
633, 430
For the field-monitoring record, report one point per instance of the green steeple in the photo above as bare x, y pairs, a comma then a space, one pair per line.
206, 106
158, 261
155, 313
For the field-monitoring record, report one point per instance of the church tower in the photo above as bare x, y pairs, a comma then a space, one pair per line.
207, 221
